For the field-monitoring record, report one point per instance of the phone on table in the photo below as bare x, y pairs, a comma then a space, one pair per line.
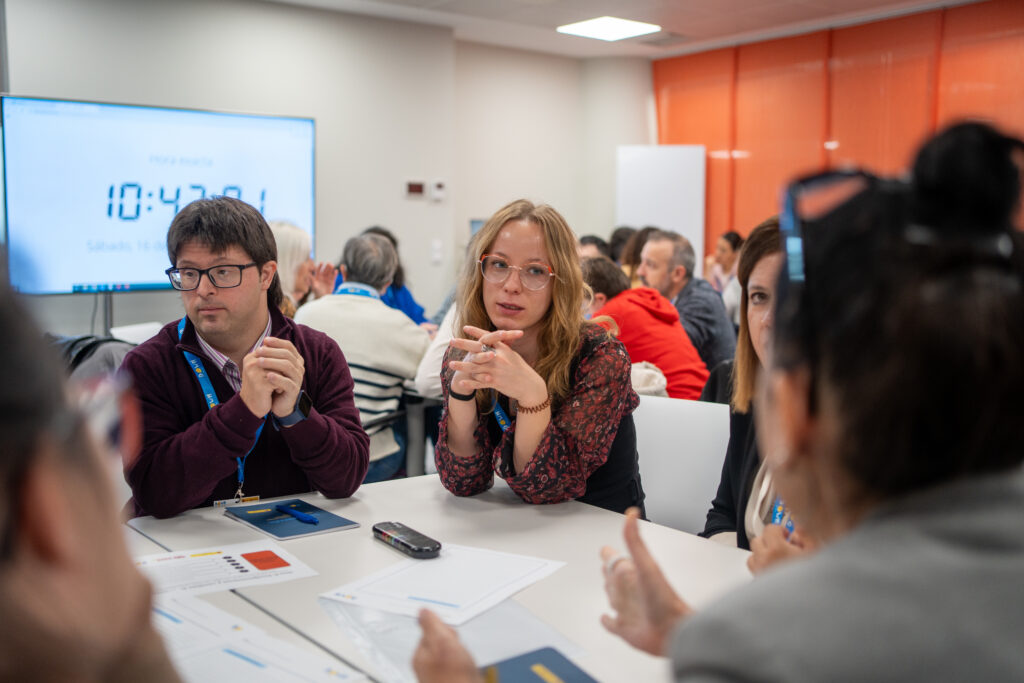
406, 540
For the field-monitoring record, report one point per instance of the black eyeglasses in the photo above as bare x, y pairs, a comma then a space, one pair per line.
222, 276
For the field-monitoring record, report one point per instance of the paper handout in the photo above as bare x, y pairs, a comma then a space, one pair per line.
458, 585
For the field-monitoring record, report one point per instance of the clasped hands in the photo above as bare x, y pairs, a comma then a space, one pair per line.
272, 378
491, 363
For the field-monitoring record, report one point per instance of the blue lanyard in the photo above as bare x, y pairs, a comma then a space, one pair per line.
501, 416
779, 514
357, 289
211, 400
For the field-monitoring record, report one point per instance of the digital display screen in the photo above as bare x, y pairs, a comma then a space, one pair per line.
90, 189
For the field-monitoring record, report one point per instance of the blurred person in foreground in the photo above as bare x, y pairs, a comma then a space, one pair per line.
72, 605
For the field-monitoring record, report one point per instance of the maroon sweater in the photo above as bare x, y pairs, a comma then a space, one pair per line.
188, 452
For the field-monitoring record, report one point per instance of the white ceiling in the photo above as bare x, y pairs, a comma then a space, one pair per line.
688, 25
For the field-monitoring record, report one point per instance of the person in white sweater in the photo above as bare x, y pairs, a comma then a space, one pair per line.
382, 346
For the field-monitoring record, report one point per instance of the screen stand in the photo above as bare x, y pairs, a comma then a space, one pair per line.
108, 313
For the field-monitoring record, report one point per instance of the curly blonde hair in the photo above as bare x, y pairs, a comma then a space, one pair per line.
562, 325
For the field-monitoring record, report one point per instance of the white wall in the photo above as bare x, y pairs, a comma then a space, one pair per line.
618, 98
518, 121
393, 101
545, 128
382, 94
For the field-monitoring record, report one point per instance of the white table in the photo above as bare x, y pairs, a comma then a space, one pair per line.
571, 600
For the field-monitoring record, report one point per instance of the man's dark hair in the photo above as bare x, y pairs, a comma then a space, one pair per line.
617, 242
604, 277
916, 343
601, 245
369, 259
221, 223
398, 281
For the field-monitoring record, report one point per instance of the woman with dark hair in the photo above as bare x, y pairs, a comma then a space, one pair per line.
742, 508
720, 267
889, 416
617, 242
533, 392
631, 254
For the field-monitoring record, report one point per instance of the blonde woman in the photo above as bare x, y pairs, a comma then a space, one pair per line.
300, 275
533, 392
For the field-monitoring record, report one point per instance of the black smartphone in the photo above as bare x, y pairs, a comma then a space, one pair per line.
406, 540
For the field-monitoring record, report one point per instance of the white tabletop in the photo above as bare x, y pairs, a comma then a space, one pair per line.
571, 600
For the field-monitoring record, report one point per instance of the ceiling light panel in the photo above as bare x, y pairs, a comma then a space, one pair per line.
609, 28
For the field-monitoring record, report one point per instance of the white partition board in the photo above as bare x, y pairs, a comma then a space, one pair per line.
663, 185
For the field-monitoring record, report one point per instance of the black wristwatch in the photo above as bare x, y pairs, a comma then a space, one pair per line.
303, 405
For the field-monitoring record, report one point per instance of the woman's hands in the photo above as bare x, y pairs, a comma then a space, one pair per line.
646, 607
492, 364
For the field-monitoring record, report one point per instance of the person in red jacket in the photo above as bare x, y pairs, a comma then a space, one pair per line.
648, 325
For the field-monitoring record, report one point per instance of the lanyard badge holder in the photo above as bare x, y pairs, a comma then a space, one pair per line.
211, 400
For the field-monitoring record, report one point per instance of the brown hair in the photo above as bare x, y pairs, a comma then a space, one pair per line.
222, 222
604, 277
631, 251
763, 241
560, 332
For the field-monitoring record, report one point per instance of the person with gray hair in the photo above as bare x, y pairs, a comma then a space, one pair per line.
666, 264
382, 345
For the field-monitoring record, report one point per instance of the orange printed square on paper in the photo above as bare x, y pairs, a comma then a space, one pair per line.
264, 560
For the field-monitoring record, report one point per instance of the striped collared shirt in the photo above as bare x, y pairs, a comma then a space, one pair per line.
232, 373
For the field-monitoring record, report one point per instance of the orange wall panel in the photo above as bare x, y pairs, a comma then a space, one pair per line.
982, 70
780, 121
693, 95
866, 95
882, 91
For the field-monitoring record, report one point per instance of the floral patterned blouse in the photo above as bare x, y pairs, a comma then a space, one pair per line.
575, 443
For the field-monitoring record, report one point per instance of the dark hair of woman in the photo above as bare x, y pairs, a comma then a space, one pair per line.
617, 242
917, 345
734, 239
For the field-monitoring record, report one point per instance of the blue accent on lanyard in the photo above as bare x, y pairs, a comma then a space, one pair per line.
356, 288
501, 416
211, 398
779, 514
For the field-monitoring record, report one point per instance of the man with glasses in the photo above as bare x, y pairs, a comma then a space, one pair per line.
238, 401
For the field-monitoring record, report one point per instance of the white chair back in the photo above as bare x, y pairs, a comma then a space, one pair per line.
682, 447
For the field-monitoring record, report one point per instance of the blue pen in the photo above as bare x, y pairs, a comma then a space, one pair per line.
301, 516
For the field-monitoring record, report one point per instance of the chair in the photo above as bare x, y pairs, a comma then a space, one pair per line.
681, 445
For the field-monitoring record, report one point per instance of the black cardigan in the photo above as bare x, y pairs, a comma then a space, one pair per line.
741, 462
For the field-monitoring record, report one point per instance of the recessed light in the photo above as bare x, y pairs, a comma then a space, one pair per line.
609, 28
